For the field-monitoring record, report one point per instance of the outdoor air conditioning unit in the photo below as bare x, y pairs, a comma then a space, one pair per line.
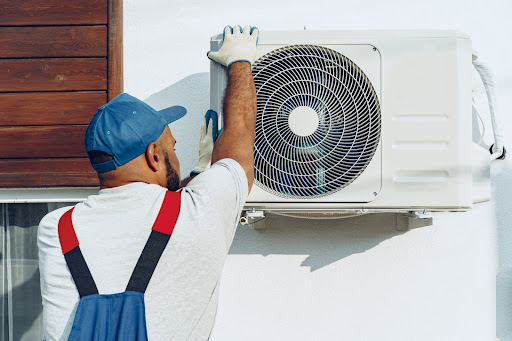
350, 122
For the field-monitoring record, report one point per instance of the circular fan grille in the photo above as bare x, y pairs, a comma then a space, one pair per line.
318, 121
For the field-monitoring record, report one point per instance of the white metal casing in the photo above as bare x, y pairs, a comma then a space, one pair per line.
423, 80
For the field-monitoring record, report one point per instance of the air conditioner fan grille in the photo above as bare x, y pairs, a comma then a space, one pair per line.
318, 121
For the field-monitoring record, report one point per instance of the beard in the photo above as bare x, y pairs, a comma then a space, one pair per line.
173, 180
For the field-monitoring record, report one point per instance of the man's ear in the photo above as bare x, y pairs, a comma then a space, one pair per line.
153, 157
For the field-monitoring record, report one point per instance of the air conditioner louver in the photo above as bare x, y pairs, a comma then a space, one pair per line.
318, 121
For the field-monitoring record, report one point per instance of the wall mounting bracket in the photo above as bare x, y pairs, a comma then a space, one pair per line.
412, 220
255, 219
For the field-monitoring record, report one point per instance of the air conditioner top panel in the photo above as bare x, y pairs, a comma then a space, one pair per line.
287, 37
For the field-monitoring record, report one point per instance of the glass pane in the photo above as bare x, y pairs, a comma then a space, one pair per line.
25, 306
25, 320
4, 335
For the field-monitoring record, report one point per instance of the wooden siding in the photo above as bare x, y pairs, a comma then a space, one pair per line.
49, 108
58, 141
59, 61
57, 74
56, 41
53, 12
48, 172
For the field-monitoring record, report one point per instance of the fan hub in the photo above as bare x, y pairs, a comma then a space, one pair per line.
303, 121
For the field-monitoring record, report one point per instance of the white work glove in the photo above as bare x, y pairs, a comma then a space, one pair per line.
237, 45
209, 134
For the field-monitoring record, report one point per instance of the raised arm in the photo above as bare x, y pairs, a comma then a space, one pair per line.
237, 139
237, 53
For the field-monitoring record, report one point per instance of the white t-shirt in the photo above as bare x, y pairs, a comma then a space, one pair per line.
112, 228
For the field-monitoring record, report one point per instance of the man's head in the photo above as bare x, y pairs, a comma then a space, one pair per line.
128, 141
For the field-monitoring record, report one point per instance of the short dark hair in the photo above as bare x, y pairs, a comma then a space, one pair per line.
97, 156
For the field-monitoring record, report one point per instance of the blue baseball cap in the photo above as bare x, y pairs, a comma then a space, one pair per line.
124, 127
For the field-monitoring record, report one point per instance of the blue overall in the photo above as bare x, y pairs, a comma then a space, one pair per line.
119, 316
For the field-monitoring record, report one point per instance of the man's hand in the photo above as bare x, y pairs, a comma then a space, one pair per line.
238, 45
209, 134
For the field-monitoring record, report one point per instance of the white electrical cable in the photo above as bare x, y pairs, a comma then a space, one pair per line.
490, 90
483, 125
496, 155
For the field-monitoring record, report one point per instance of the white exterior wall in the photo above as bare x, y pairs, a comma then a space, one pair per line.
354, 279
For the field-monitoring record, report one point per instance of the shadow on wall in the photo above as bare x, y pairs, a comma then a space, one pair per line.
325, 241
193, 93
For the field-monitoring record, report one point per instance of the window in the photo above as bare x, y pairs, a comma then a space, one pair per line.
21, 315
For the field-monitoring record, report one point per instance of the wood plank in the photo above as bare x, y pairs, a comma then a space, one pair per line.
42, 142
69, 165
47, 172
58, 41
115, 48
48, 180
53, 12
49, 108
55, 74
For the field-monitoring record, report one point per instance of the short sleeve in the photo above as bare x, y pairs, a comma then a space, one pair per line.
225, 183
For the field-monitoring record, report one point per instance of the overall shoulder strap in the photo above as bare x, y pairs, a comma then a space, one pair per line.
74, 258
157, 241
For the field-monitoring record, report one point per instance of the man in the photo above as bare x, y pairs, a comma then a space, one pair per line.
113, 226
